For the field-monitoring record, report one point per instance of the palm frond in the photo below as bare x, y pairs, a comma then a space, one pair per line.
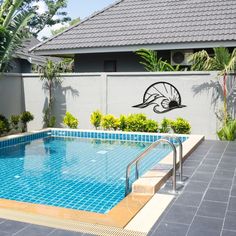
18, 34
200, 61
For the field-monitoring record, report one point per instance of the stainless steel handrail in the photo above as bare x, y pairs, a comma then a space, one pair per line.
142, 155
180, 154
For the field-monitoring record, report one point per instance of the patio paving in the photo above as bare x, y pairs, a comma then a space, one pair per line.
206, 205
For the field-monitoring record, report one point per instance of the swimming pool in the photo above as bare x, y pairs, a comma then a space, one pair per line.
80, 170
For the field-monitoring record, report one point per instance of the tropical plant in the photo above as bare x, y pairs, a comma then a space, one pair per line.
123, 124
70, 121
165, 126
96, 118
222, 61
4, 125
180, 126
151, 126
136, 123
228, 131
15, 120
151, 62
50, 75
13, 29
25, 117
110, 122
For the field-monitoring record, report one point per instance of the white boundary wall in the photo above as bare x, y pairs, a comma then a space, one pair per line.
113, 93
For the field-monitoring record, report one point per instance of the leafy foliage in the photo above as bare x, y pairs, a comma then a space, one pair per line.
96, 118
181, 126
25, 117
70, 121
4, 125
152, 63
15, 120
13, 29
63, 28
228, 131
110, 122
50, 75
222, 61
165, 126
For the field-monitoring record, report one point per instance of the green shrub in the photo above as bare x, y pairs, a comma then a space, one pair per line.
96, 118
25, 117
180, 126
123, 123
15, 120
4, 125
110, 122
151, 126
48, 119
228, 131
70, 121
136, 123
165, 126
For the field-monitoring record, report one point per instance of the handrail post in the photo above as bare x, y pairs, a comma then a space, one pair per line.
180, 155
174, 171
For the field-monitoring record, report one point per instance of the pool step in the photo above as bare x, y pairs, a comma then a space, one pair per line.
153, 180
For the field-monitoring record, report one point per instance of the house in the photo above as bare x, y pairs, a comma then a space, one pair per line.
105, 42
23, 60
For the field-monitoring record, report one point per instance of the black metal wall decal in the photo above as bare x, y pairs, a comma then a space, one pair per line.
164, 96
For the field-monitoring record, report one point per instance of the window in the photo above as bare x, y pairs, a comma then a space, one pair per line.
110, 66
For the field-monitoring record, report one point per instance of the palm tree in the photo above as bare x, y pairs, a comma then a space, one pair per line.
152, 63
222, 61
13, 28
50, 75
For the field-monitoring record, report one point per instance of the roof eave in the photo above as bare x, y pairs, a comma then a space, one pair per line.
131, 48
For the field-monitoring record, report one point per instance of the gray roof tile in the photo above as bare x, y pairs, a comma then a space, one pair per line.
137, 22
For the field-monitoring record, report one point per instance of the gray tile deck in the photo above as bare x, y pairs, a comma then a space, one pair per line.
213, 179
206, 206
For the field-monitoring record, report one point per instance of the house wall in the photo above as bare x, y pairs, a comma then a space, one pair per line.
126, 62
114, 93
12, 94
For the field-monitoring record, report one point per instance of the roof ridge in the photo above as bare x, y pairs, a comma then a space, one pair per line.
81, 22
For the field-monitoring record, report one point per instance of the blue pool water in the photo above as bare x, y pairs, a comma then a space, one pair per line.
70, 172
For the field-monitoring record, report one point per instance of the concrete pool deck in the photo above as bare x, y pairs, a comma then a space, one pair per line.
206, 205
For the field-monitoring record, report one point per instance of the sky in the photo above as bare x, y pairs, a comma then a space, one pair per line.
77, 8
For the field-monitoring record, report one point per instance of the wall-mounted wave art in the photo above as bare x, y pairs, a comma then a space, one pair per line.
163, 96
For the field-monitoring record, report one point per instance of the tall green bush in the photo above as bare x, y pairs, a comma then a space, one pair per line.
228, 131
25, 118
96, 118
4, 125
14, 121
165, 126
70, 121
110, 122
181, 126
